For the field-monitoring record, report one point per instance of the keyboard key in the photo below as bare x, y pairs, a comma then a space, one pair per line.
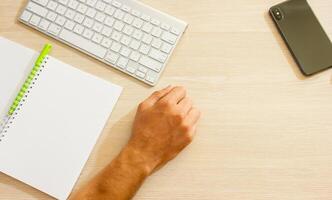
26, 15
79, 29
157, 55
116, 36
156, 32
166, 48
143, 69
83, 43
175, 31
116, 4
118, 25
35, 8
100, 17
125, 40
106, 31
122, 62
82, 8
88, 33
61, 10
147, 39
145, 17
97, 27
147, 27
133, 65
64, 2
169, 37
35, 20
52, 5
151, 77
69, 25
150, 63
97, 38
119, 14
54, 29
106, 43
109, 21
155, 22
131, 70
41, 2
91, 2
79, 18
135, 56
128, 19
125, 51
137, 23
126, 8
116, 47
156, 43
100, 6
140, 74
88, 22
128, 30
91, 12
73, 4
109, 10
112, 57
166, 27
51, 16
136, 13
138, 34
134, 44
60, 20
144, 49
70, 14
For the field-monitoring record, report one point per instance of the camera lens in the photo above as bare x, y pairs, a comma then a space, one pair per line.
277, 13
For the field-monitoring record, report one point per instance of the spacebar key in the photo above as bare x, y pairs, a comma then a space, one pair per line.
83, 43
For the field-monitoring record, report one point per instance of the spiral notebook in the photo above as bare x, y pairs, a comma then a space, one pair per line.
52, 115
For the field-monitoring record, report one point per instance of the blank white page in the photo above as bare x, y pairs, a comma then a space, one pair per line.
54, 132
16, 62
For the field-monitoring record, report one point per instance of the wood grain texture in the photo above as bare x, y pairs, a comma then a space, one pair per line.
266, 130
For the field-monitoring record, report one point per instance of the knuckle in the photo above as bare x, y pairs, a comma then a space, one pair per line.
179, 117
186, 127
165, 104
181, 88
141, 106
188, 138
156, 94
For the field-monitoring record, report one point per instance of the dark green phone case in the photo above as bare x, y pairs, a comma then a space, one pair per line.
304, 36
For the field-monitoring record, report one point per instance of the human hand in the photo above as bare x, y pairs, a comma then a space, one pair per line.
165, 124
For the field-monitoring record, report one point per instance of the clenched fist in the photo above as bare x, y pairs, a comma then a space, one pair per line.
165, 123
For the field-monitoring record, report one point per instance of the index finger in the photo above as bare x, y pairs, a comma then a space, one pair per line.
157, 95
175, 95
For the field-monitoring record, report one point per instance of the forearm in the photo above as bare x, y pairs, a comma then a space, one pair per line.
164, 124
119, 180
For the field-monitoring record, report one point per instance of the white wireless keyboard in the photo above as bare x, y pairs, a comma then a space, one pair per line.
125, 34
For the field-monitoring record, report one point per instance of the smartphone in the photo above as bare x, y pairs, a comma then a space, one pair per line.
304, 35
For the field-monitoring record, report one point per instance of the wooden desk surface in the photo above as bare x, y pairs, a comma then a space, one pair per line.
266, 131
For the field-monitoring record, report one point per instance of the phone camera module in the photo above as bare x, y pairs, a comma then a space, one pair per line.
277, 14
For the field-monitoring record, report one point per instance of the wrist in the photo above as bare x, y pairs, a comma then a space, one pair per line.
136, 160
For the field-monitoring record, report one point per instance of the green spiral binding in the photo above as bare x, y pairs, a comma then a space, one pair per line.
47, 48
